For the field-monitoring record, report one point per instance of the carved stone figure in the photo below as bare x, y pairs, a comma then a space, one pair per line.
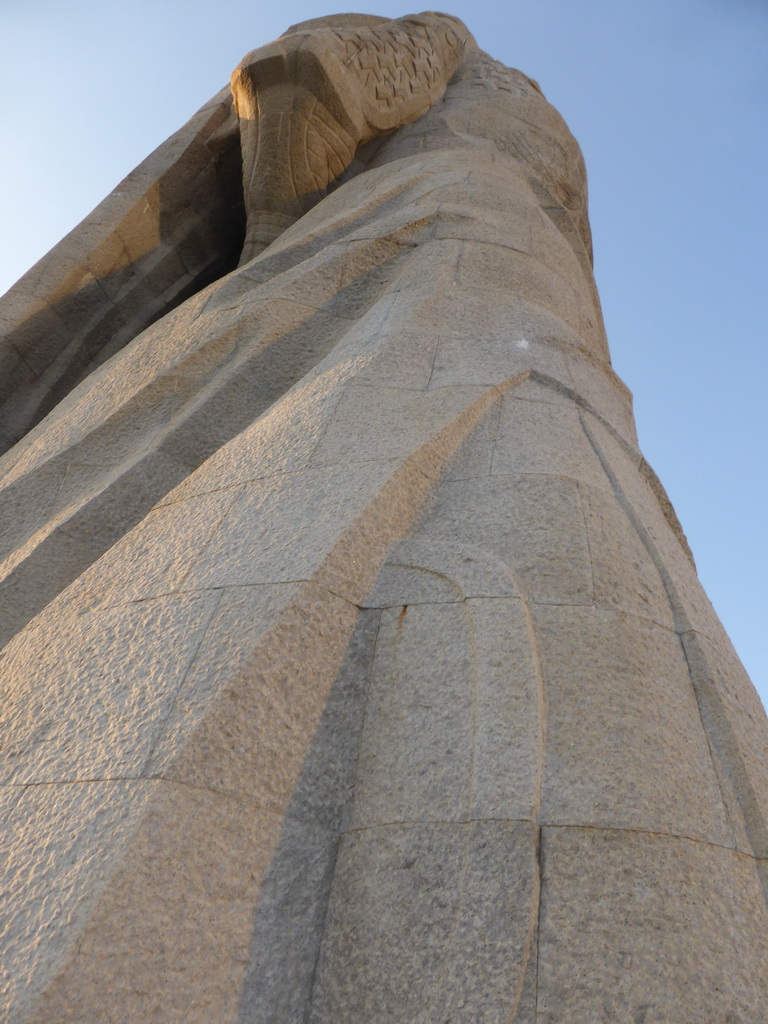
356, 670
308, 101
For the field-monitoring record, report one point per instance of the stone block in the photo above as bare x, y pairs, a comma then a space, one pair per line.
649, 928
625, 744
625, 574
533, 524
310, 772
14, 373
111, 265
59, 844
374, 423
600, 388
496, 271
546, 329
183, 898
89, 509
284, 439
475, 455
111, 732
734, 719
315, 505
458, 218
368, 272
252, 730
36, 572
657, 526
288, 925
28, 500
434, 572
453, 716
38, 336
540, 432
428, 922
133, 569
416, 756
494, 349
403, 358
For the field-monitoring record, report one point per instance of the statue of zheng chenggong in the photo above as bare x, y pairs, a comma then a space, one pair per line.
356, 669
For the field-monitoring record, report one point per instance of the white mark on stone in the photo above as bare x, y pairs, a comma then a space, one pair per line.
523, 343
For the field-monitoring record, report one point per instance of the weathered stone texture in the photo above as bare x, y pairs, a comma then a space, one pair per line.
356, 670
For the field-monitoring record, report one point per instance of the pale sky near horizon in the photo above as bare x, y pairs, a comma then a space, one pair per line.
669, 102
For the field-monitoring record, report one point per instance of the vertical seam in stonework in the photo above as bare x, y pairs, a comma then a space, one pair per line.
729, 754
180, 685
586, 534
304, 148
670, 591
721, 741
457, 269
306, 1016
249, 188
434, 360
239, 491
539, 863
342, 262
551, 382
450, 944
714, 754
534, 927
342, 832
326, 427
67, 467
498, 419
495, 438
541, 694
473, 694
366, 702
15, 349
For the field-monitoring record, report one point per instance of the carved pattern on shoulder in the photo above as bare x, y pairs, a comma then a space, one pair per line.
396, 63
493, 75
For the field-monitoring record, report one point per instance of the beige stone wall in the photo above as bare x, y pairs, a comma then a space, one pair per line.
357, 669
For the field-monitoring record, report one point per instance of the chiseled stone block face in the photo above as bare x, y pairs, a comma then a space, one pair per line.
602, 390
653, 928
110, 729
372, 423
178, 533
734, 721
58, 845
453, 716
314, 505
539, 432
429, 921
287, 747
416, 753
625, 744
169, 937
532, 523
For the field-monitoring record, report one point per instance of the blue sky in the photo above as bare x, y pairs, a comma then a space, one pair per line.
669, 101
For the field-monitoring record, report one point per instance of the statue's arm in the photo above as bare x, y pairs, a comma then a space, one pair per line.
172, 226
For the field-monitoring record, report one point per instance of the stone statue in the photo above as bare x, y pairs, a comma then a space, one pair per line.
356, 669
